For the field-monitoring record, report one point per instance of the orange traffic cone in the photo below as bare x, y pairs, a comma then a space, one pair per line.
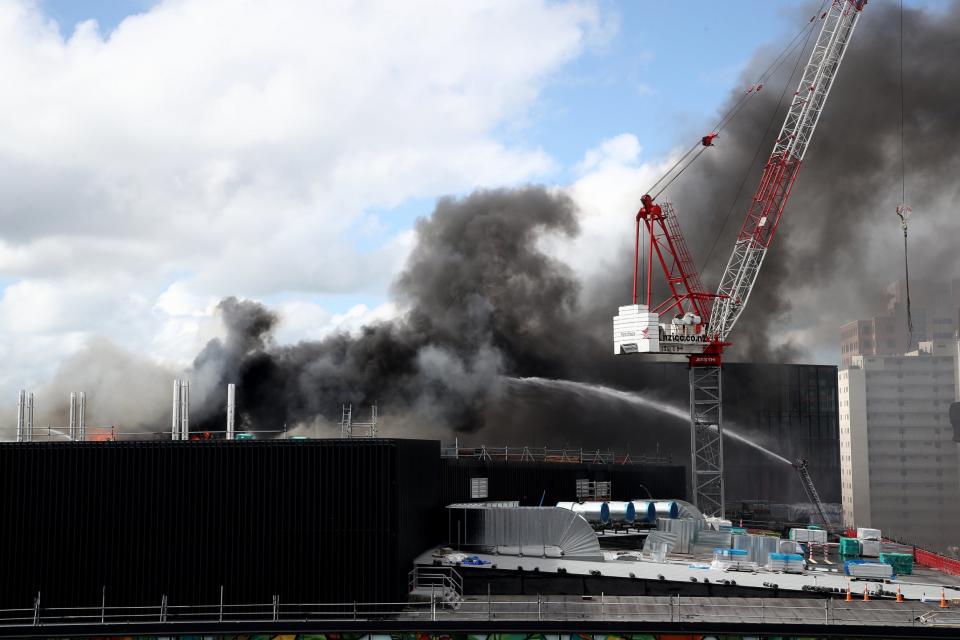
849, 594
899, 595
866, 594
943, 600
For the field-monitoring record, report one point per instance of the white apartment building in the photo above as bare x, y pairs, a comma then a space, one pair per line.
898, 461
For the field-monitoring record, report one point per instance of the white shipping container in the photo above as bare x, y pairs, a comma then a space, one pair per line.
799, 535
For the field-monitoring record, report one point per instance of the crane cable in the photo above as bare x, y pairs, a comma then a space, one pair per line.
738, 106
904, 210
756, 154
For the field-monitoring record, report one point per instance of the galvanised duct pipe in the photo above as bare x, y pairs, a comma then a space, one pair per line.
591, 511
663, 508
622, 512
646, 511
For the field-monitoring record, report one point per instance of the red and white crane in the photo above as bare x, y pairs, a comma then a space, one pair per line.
694, 323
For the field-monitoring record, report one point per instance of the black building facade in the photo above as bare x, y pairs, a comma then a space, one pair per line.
305, 520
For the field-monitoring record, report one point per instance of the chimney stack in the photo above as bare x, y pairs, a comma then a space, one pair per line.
175, 431
73, 416
82, 416
185, 410
231, 409
21, 407
29, 430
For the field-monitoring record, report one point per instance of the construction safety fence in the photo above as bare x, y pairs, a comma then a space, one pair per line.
926, 558
572, 609
936, 561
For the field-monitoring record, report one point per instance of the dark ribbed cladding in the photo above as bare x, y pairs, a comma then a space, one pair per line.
308, 520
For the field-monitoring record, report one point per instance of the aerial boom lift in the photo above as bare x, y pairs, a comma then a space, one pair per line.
702, 321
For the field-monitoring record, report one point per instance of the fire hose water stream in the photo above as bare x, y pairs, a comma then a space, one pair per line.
596, 390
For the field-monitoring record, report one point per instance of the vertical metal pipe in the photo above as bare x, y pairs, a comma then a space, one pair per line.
29, 428
231, 409
21, 400
73, 416
82, 416
175, 428
185, 412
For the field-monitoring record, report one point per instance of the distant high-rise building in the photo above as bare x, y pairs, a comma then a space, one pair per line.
898, 462
935, 311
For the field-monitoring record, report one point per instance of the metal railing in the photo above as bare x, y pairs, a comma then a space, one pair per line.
506, 609
444, 581
545, 454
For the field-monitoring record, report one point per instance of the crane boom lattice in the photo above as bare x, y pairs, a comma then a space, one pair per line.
780, 171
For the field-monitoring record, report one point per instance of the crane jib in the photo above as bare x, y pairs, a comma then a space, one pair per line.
780, 172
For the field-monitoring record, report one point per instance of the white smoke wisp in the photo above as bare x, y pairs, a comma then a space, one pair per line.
596, 390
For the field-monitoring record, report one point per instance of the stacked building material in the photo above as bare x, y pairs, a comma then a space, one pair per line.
864, 533
902, 563
789, 546
710, 539
758, 547
849, 547
790, 562
810, 534
868, 569
732, 560
870, 548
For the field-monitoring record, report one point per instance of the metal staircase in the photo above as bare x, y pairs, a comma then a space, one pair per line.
442, 585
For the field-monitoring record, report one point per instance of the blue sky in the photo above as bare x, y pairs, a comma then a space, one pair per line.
663, 73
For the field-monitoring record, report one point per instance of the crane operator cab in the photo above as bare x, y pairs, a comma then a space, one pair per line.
636, 329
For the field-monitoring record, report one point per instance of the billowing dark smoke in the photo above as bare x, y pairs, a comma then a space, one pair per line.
482, 302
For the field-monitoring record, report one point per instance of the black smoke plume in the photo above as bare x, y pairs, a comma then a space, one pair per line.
481, 302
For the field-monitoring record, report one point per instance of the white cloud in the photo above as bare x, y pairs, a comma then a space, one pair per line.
607, 192
309, 321
214, 147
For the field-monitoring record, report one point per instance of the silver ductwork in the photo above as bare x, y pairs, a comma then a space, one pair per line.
622, 512
595, 512
646, 510
231, 409
175, 427
538, 532
662, 509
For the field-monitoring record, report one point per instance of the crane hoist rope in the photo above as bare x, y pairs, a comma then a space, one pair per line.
706, 141
904, 210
